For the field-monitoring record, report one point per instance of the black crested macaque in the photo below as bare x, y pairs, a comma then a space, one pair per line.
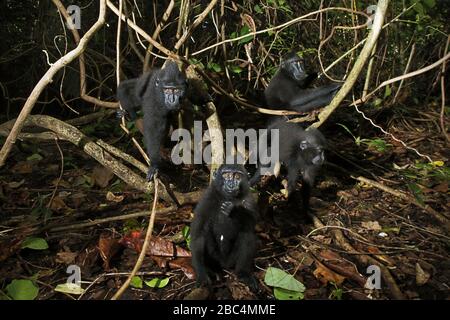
223, 228
288, 89
299, 151
159, 93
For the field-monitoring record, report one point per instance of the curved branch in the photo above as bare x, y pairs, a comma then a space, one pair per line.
46, 79
76, 36
359, 64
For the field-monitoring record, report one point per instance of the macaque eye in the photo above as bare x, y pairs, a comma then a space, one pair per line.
303, 145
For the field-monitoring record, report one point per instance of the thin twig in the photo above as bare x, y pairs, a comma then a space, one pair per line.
148, 236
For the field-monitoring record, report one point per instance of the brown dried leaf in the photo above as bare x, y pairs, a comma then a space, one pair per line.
371, 225
185, 264
107, 247
326, 275
102, 176
66, 257
111, 197
23, 167
442, 187
58, 204
342, 266
422, 276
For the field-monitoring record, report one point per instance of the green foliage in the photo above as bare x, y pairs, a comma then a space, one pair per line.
417, 192
286, 287
69, 288
197, 63
186, 231
157, 283
235, 69
35, 157
22, 290
336, 294
245, 30
136, 282
377, 144
35, 243
283, 294
214, 67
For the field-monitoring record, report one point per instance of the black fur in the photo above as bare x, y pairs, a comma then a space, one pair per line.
300, 151
159, 93
288, 89
222, 231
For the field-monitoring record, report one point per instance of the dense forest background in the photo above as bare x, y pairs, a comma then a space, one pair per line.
382, 198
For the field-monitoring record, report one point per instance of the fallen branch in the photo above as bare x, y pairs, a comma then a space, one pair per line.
438, 216
394, 290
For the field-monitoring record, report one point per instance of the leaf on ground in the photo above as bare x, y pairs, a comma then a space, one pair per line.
58, 204
35, 243
442, 187
102, 176
326, 275
283, 294
185, 264
157, 247
35, 157
22, 290
107, 247
22, 167
61, 183
275, 277
157, 283
15, 184
302, 257
136, 282
422, 276
342, 266
112, 197
66, 257
69, 288
371, 225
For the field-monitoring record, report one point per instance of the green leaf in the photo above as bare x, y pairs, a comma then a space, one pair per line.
136, 282
417, 192
245, 30
35, 243
70, 288
214, 66
22, 290
35, 157
429, 3
235, 69
387, 91
278, 278
283, 294
157, 282
419, 9
257, 9
377, 102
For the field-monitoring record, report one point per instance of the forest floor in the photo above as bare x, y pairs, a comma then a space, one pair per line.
39, 200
